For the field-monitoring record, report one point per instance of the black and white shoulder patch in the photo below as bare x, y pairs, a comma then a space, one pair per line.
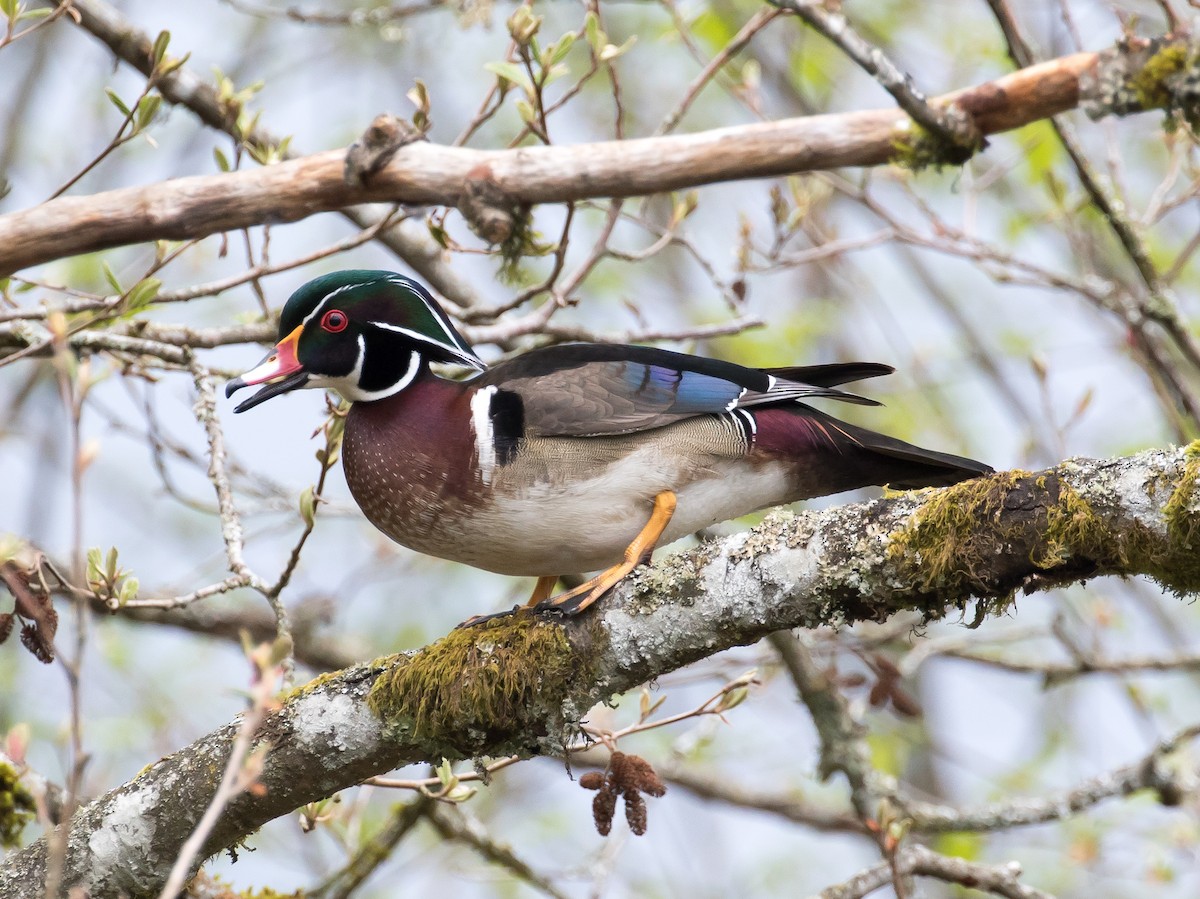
498, 422
507, 414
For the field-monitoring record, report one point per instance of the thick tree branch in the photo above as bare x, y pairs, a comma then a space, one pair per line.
516, 686
424, 173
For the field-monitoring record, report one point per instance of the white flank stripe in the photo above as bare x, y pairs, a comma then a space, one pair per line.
481, 424
748, 417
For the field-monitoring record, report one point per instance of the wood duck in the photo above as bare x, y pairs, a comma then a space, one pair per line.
568, 458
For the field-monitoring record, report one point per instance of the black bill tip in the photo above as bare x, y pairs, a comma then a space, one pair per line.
233, 386
292, 382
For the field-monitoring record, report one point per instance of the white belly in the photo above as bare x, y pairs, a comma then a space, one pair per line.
583, 525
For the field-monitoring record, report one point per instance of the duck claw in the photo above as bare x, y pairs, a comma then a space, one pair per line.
480, 619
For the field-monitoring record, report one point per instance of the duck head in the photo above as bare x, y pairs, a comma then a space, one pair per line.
366, 334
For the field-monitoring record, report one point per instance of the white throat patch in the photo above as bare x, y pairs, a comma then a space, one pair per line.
350, 389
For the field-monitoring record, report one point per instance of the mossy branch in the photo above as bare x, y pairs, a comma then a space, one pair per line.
521, 686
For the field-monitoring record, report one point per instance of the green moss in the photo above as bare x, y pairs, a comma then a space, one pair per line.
953, 542
521, 241
1170, 80
916, 149
1150, 85
1178, 566
954, 534
1072, 528
17, 806
479, 684
309, 686
1182, 511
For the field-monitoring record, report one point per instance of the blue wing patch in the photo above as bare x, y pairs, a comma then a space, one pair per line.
680, 392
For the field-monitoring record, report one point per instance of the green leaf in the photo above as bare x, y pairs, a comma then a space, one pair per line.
93, 565
147, 109
527, 113
111, 278
129, 590
731, 699
160, 46
418, 94
512, 73
439, 235
116, 101
445, 773
222, 160
166, 68
308, 506
141, 294
609, 52
10, 9
595, 36
460, 793
559, 51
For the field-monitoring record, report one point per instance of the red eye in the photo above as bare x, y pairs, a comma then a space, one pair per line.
334, 320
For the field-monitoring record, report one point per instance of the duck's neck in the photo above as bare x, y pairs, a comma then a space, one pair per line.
417, 441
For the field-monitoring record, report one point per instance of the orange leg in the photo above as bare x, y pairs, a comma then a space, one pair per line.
542, 590
575, 601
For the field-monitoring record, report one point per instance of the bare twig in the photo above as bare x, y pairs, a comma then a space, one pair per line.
1001, 880
241, 771
453, 823
757, 23
373, 852
952, 124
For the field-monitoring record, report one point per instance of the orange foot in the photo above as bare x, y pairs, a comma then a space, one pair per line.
574, 601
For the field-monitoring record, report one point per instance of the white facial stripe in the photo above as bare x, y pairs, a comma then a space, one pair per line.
481, 424
424, 338
414, 365
329, 296
442, 319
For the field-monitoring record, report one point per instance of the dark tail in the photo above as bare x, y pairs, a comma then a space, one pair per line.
900, 464
831, 456
907, 467
831, 375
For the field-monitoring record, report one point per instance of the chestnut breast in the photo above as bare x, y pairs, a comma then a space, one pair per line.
409, 462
